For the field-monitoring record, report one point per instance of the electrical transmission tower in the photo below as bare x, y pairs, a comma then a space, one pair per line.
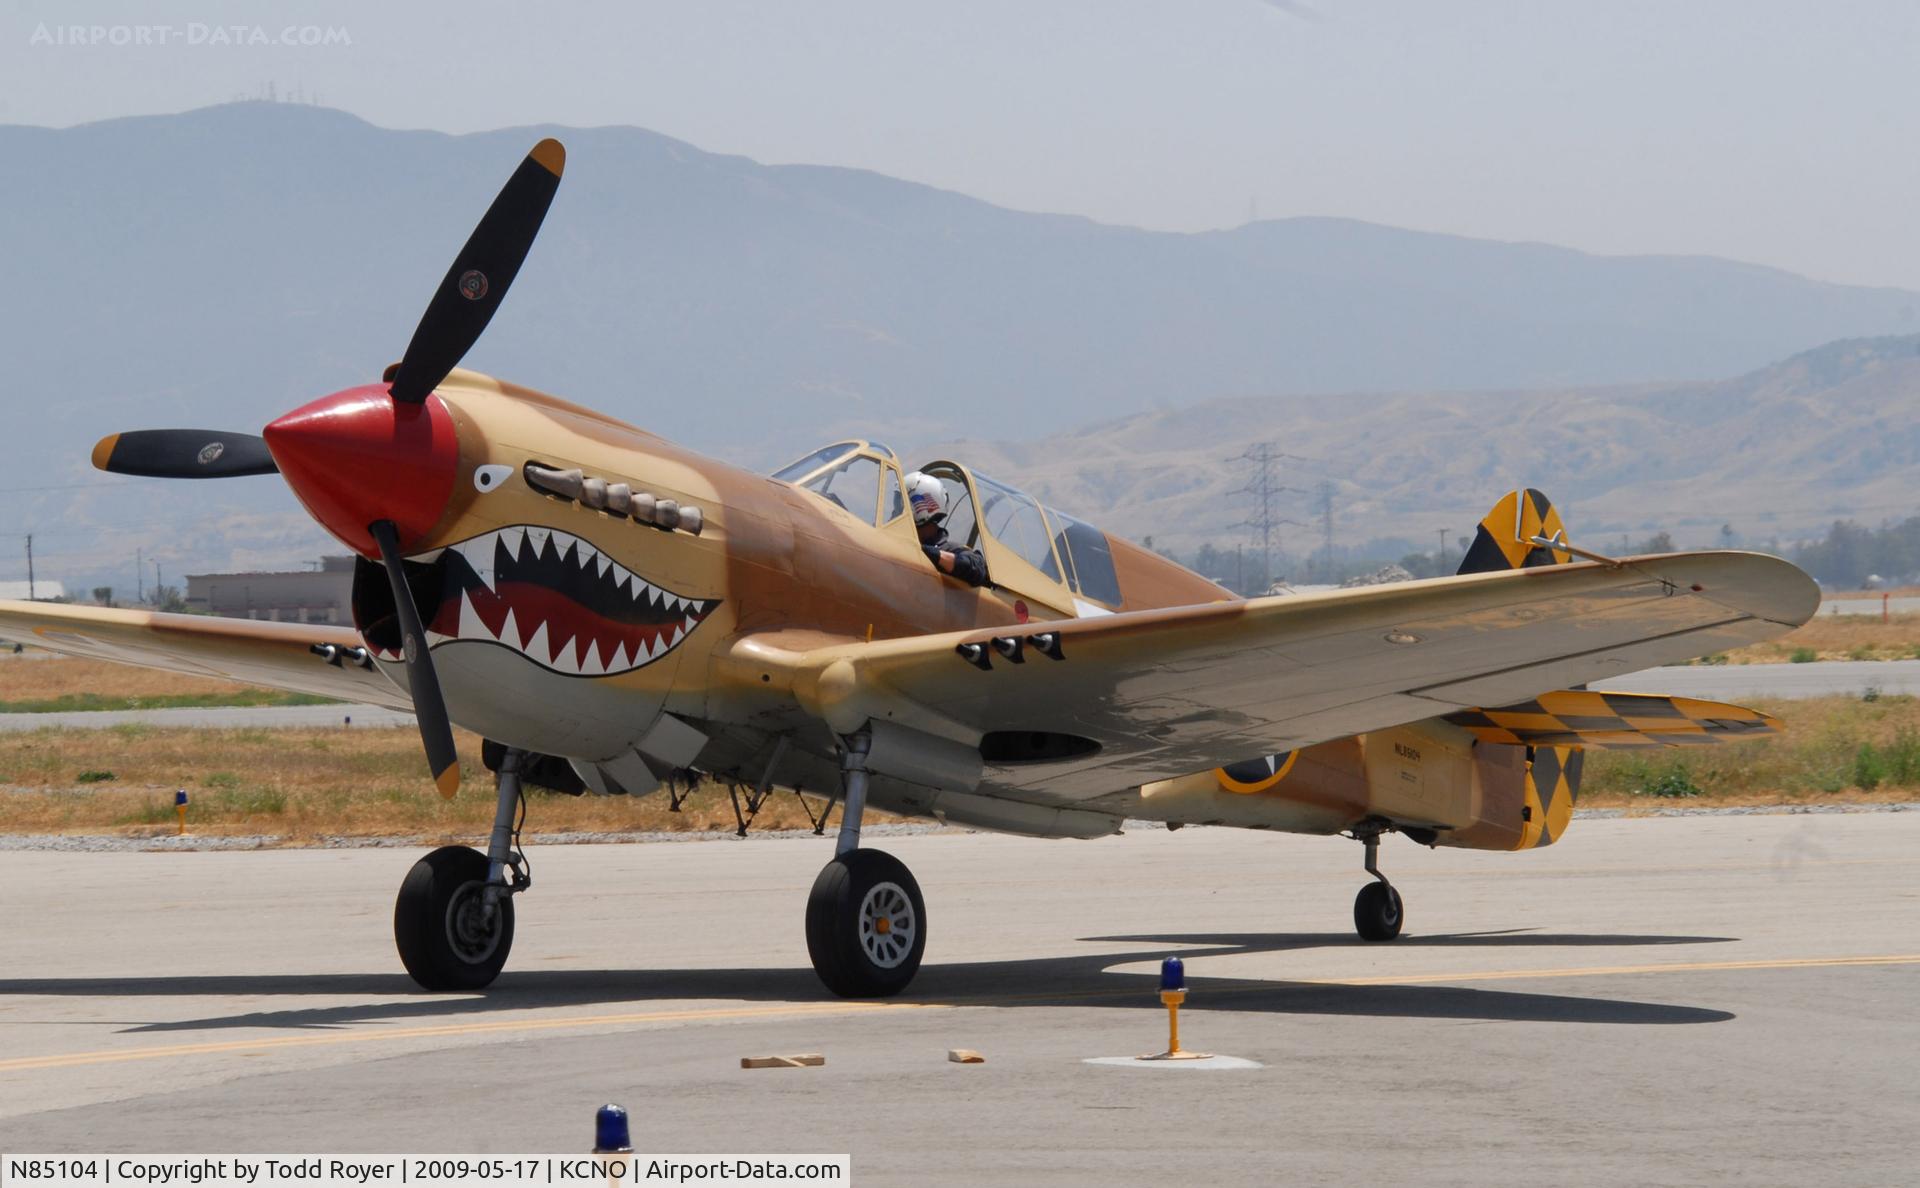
1325, 493
1263, 486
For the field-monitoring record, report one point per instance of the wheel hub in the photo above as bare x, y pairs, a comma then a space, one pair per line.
887, 925
473, 932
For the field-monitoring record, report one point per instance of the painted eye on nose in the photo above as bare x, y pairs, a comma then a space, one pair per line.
486, 478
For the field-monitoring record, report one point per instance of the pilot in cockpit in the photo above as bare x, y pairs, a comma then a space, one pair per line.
928, 498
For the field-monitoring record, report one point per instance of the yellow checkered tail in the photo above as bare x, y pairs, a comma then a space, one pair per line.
1557, 728
1504, 540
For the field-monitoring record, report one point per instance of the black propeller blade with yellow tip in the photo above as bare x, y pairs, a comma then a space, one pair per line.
429, 707
473, 288
184, 453
459, 311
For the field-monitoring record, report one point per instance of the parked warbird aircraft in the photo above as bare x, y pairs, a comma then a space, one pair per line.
609, 611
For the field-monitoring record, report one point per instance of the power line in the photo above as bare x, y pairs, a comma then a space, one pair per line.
1326, 527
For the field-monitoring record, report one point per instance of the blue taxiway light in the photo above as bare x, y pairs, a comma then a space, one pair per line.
610, 1132
1173, 974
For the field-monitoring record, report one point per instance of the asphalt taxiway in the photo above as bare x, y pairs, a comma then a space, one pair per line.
1690, 1000
1827, 678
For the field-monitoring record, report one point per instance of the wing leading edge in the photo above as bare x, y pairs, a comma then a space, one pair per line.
278, 655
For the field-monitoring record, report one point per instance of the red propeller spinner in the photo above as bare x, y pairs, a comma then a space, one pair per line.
358, 456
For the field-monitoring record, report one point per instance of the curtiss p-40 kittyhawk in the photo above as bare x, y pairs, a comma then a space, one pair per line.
611, 611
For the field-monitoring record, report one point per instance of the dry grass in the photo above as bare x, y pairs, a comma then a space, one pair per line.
1835, 750
1836, 637
34, 676
37, 682
304, 784
300, 784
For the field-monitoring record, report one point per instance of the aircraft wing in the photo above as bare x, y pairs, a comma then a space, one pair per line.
278, 655
1166, 692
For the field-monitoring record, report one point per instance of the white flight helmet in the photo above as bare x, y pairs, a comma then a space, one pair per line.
927, 496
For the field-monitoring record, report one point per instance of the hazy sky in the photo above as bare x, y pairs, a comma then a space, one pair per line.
1780, 133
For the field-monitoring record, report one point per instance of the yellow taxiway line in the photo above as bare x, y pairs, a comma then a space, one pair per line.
574, 1023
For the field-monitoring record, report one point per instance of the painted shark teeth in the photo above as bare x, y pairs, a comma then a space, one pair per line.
591, 617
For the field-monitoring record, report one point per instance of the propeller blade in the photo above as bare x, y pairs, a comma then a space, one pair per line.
183, 453
478, 280
436, 732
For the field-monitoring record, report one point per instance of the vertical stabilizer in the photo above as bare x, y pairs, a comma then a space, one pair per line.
1505, 538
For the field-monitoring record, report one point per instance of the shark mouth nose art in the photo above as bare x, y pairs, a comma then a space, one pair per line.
556, 599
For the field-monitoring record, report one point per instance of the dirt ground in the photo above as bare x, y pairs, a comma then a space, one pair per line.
39, 678
1844, 637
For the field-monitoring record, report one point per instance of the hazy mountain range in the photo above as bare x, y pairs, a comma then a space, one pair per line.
217, 267
1776, 454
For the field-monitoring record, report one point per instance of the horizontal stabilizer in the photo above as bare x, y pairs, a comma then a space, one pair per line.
1579, 718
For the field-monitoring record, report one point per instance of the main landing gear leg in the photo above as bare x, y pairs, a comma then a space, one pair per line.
453, 920
866, 921
1377, 911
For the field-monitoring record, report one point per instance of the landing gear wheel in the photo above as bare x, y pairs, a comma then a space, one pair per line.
447, 938
866, 925
1377, 913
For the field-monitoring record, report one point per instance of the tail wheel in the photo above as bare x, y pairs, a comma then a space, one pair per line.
1377, 913
866, 925
448, 940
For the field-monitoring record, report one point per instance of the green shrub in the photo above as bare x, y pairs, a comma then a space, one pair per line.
1869, 767
1670, 782
151, 812
1803, 656
93, 777
1903, 756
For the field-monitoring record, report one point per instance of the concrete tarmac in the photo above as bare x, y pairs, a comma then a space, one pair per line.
1676, 1001
1825, 678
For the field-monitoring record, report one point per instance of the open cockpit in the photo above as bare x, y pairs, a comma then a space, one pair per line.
1034, 551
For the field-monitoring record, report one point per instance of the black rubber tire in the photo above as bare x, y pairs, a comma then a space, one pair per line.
439, 890
1378, 913
834, 926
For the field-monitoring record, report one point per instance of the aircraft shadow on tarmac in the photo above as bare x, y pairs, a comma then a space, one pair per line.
1081, 980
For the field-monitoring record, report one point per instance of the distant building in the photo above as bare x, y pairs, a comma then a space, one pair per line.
42, 590
323, 595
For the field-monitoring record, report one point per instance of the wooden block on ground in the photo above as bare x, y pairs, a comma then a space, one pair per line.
805, 1060
965, 1056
